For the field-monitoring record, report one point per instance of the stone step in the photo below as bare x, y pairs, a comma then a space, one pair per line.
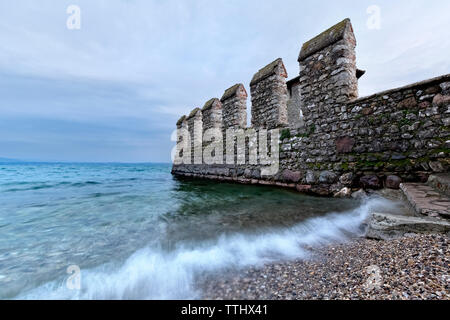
425, 200
386, 226
440, 182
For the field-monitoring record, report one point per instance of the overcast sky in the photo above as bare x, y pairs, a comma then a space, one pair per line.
113, 90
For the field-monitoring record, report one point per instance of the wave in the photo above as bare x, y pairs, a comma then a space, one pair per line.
38, 187
157, 274
86, 183
45, 185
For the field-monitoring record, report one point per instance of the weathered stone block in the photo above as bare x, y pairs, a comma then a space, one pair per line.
310, 177
445, 86
327, 177
345, 144
256, 174
292, 176
370, 182
440, 182
408, 103
393, 182
440, 100
347, 179
436, 166
321, 190
303, 188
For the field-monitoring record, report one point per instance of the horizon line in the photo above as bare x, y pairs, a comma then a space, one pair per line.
11, 160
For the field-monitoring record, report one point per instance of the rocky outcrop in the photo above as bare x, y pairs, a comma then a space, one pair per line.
385, 226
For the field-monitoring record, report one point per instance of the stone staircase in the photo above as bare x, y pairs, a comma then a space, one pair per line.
431, 199
431, 202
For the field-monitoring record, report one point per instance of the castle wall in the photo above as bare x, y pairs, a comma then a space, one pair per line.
341, 140
403, 132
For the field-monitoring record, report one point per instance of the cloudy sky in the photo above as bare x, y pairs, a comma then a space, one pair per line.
113, 90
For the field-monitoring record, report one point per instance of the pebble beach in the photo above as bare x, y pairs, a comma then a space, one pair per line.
410, 268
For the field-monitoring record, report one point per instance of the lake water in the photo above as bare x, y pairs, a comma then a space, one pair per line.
135, 232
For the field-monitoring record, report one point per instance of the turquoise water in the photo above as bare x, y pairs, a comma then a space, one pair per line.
135, 232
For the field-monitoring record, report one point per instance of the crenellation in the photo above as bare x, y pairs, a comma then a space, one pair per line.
212, 132
183, 153
234, 101
181, 122
269, 96
212, 114
195, 129
328, 71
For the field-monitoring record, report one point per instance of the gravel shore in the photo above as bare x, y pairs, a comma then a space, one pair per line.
414, 267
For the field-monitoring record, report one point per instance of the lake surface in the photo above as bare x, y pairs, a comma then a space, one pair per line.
135, 232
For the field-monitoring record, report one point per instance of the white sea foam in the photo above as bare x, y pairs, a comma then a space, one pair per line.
157, 274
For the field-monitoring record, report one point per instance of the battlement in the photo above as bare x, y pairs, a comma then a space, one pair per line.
234, 101
330, 36
329, 138
212, 114
269, 96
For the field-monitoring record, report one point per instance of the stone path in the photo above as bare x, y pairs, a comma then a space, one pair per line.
426, 200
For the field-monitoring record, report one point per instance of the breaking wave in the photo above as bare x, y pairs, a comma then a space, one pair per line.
154, 273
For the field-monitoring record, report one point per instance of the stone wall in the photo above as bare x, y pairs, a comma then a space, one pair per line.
339, 140
294, 107
402, 132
